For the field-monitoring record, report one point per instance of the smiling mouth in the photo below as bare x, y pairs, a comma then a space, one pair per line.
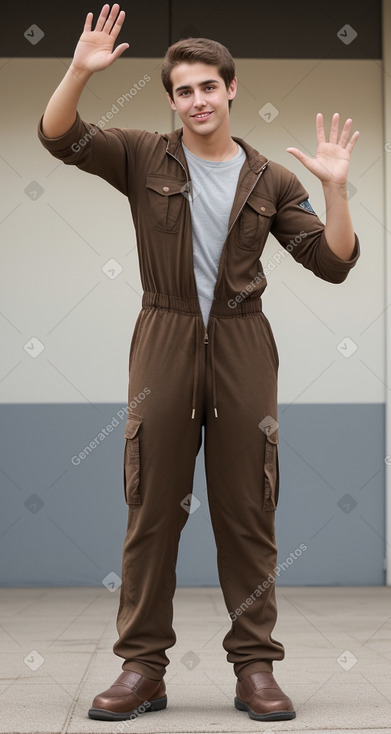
201, 115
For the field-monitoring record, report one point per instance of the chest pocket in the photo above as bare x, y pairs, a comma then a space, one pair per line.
255, 222
166, 202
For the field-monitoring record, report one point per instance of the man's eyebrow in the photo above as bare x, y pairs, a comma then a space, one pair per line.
201, 84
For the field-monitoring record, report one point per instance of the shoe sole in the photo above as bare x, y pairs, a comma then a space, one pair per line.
104, 715
274, 716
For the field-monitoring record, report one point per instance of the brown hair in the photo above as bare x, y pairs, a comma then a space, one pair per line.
191, 50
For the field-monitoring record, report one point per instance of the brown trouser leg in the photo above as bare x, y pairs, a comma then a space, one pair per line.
242, 476
242, 472
160, 458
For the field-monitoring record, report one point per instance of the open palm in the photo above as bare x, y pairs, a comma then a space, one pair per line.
331, 161
94, 50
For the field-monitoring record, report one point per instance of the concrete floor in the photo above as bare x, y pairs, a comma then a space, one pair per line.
56, 654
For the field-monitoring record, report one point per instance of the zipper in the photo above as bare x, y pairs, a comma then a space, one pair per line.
206, 337
249, 193
177, 159
192, 258
239, 212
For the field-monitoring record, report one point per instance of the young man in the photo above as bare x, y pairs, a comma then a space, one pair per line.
203, 203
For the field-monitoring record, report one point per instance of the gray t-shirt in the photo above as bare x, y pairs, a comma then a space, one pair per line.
213, 191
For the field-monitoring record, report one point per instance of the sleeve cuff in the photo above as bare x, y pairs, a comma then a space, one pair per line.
74, 134
329, 261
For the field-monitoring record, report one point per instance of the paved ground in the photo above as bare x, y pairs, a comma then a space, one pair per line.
56, 654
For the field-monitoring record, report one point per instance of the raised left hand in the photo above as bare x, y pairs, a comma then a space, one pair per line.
331, 161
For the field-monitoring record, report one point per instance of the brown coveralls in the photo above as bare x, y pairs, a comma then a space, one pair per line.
224, 378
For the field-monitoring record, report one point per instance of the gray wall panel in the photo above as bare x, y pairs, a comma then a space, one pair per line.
64, 525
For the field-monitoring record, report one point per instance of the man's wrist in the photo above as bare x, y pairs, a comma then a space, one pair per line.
331, 188
82, 75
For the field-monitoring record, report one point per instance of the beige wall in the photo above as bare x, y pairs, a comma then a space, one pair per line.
53, 287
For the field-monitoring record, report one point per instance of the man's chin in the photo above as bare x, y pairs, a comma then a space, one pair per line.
203, 128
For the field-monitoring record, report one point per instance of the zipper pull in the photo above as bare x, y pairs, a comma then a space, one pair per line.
206, 338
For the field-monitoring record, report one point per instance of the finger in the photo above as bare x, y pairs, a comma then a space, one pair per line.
118, 24
345, 134
118, 51
102, 17
352, 141
111, 19
334, 128
87, 24
302, 157
320, 128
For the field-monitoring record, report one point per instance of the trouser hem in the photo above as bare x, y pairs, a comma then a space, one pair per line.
242, 671
143, 669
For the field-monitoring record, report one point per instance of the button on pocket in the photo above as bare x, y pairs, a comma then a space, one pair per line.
255, 222
132, 460
271, 472
166, 201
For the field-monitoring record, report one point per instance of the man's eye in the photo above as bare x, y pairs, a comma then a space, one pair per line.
210, 86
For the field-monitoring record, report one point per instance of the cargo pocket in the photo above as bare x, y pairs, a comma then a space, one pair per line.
255, 222
132, 460
166, 201
271, 472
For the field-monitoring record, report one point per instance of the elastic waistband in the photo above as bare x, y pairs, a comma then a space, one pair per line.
225, 309
191, 306
241, 308
172, 303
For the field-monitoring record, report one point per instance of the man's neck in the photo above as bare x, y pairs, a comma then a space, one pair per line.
217, 146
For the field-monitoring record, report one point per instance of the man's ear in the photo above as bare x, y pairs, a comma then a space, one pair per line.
232, 88
173, 107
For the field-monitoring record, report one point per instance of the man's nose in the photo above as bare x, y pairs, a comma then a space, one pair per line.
199, 99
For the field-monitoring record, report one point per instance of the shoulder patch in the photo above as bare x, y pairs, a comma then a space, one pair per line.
307, 206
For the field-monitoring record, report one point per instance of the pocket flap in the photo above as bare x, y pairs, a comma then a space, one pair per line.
133, 423
262, 206
165, 185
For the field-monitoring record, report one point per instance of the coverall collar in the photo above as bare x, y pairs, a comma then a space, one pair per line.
255, 160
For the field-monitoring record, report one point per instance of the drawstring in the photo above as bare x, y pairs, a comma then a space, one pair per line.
196, 366
214, 397
191, 306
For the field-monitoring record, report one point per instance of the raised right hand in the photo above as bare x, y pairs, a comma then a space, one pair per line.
94, 50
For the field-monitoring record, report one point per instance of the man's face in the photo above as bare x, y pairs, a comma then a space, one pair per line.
200, 96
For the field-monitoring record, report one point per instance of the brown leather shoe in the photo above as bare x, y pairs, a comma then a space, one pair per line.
260, 695
130, 695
